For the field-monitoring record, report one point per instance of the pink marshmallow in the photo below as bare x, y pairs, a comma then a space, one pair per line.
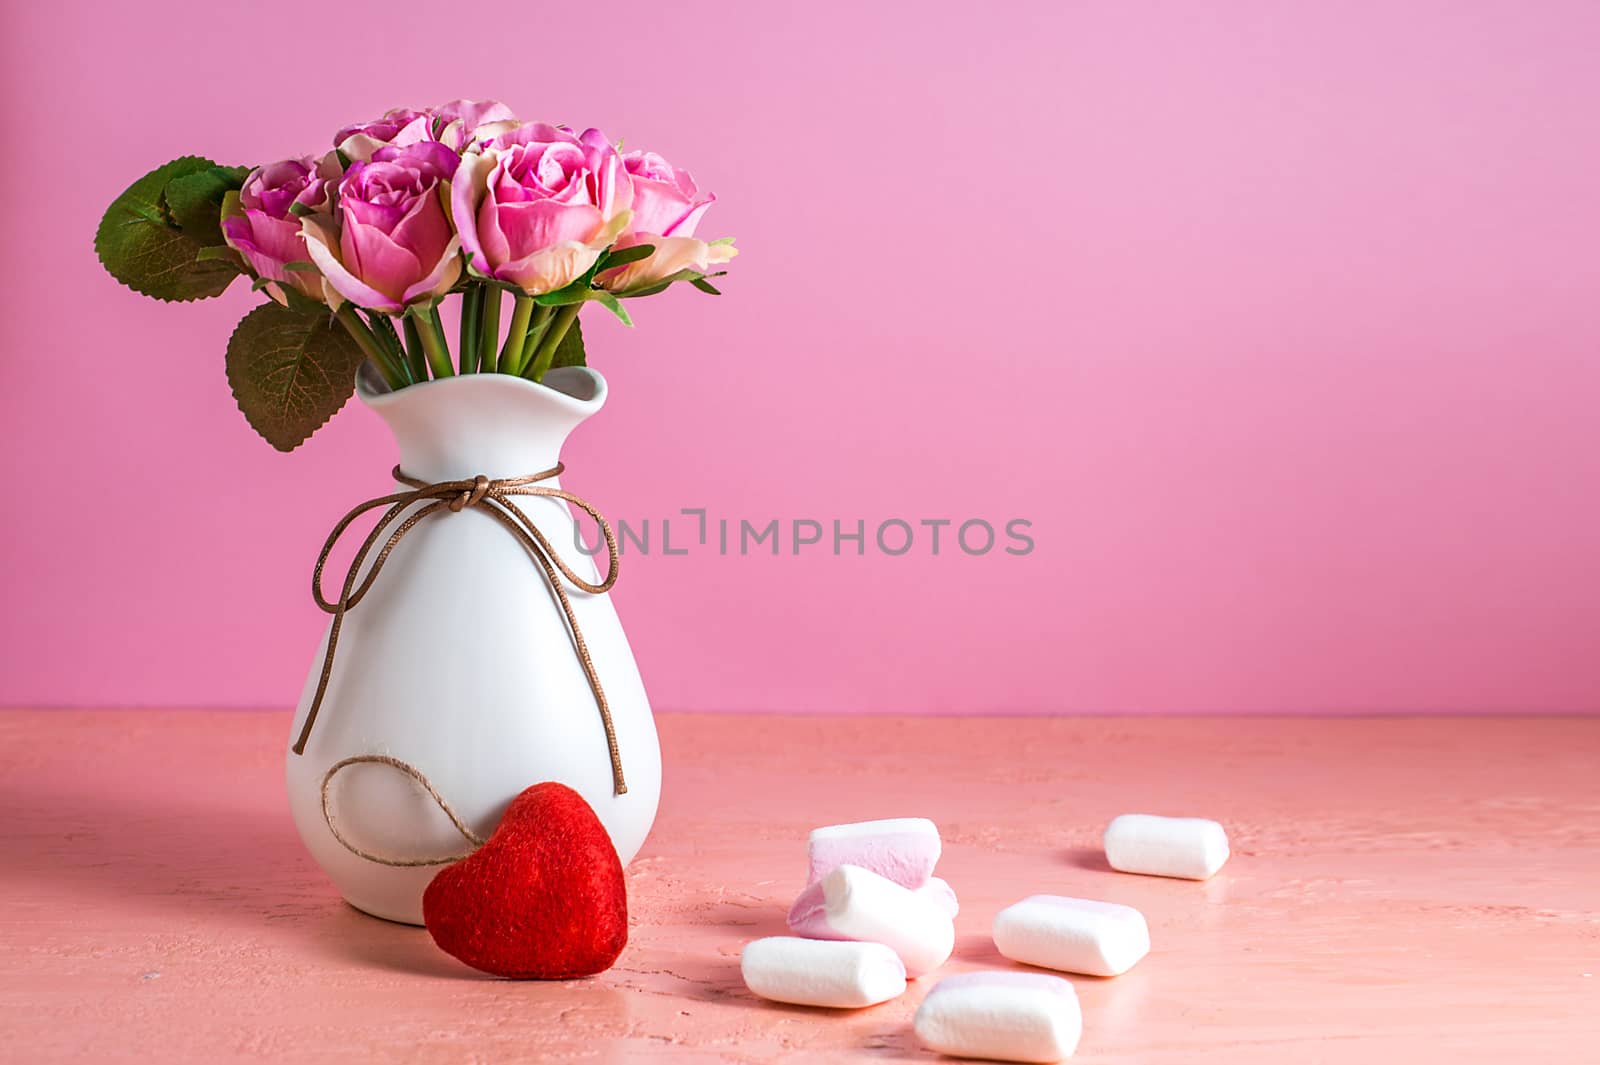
903, 849
808, 916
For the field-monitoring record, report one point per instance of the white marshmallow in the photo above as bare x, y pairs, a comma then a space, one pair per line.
1190, 848
939, 892
808, 905
816, 972
857, 903
1072, 935
1001, 1015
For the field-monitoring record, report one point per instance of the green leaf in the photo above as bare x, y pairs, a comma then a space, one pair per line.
290, 297
290, 372
220, 252
422, 309
648, 290
624, 256
691, 276
194, 201
576, 292
145, 246
503, 286
705, 286
570, 351
383, 325
302, 304
610, 303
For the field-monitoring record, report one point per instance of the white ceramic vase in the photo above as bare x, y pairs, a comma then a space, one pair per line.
458, 661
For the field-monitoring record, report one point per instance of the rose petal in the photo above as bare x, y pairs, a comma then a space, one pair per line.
278, 238
378, 260
425, 230
671, 255
382, 216
473, 113
443, 276
686, 226
467, 191
535, 133
399, 128
318, 237
549, 268
529, 227
659, 207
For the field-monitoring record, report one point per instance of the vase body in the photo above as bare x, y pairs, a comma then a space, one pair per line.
459, 661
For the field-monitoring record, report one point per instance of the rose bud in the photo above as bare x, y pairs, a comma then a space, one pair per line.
462, 124
667, 207
265, 231
389, 244
397, 128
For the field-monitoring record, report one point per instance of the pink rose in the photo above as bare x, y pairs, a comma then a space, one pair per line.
458, 124
464, 123
397, 128
666, 201
667, 208
266, 229
671, 256
390, 244
539, 204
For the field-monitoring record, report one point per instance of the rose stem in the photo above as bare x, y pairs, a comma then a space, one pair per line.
536, 331
369, 344
433, 341
419, 362
489, 329
382, 327
552, 340
510, 355
468, 351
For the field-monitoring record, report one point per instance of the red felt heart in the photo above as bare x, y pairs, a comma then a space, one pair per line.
544, 899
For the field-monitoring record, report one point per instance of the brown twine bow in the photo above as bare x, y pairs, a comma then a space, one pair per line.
494, 497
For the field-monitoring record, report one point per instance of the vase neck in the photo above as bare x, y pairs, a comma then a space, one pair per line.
491, 424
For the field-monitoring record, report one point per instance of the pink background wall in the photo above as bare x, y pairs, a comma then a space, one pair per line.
1280, 322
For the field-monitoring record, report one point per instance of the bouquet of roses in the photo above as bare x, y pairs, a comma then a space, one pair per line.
358, 248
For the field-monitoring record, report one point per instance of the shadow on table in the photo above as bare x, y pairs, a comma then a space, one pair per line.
1093, 858
747, 921
169, 860
979, 949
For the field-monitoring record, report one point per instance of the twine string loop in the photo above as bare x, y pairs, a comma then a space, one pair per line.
415, 774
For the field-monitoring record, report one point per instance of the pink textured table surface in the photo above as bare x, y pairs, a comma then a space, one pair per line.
1401, 890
